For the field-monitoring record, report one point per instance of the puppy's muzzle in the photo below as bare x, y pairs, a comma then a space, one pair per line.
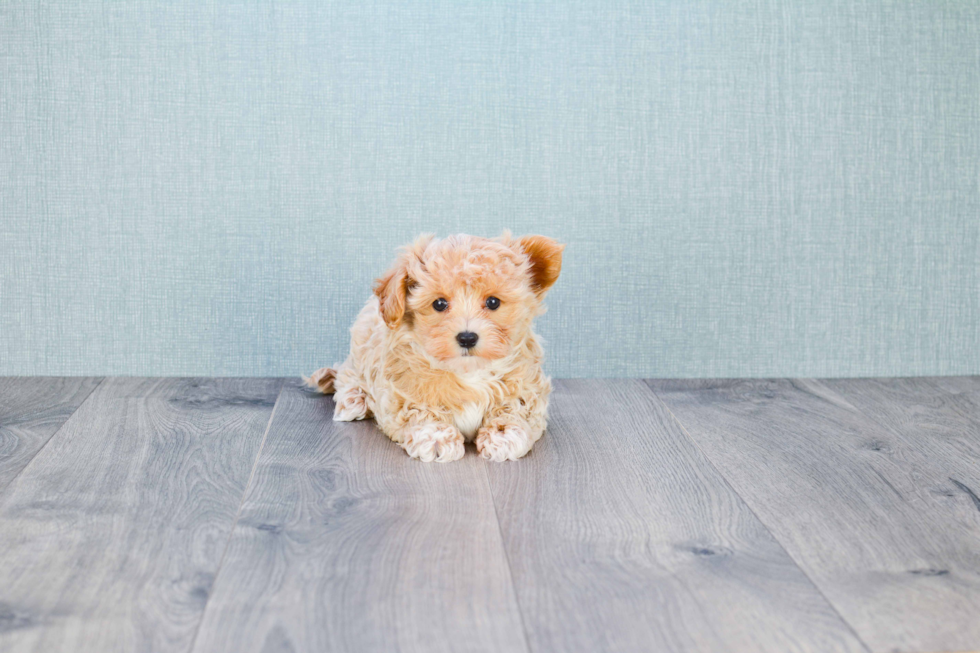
467, 339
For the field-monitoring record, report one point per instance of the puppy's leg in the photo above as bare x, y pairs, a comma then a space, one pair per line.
510, 430
351, 401
350, 405
433, 442
425, 435
505, 437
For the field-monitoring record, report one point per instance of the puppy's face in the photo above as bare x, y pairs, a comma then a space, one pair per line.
468, 301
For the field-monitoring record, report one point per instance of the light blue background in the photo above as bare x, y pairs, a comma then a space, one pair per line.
746, 188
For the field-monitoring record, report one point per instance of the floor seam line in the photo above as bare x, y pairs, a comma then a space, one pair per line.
11, 482
776, 539
503, 548
238, 514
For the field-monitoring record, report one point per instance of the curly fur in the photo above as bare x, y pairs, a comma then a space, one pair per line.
406, 369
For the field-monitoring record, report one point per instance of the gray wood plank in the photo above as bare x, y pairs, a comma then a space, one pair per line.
867, 514
946, 384
622, 537
928, 418
953, 384
32, 409
110, 539
346, 544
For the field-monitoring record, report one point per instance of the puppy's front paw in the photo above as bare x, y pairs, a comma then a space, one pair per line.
500, 442
441, 443
350, 405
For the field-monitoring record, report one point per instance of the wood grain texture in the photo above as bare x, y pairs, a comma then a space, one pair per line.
110, 539
622, 537
947, 384
872, 517
938, 418
346, 544
31, 410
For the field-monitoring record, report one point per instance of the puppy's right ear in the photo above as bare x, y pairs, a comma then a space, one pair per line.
392, 288
392, 291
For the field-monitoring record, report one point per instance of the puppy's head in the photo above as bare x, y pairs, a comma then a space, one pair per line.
467, 300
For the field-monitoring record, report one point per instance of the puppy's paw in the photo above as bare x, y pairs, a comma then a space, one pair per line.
322, 380
441, 443
350, 405
500, 442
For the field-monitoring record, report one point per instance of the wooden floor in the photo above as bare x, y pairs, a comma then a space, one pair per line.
232, 515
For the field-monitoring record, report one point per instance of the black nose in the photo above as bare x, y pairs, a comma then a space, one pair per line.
467, 339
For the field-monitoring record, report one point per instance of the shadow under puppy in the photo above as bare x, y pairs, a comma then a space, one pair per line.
445, 351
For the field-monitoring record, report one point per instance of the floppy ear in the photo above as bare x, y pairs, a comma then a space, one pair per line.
544, 255
392, 288
392, 291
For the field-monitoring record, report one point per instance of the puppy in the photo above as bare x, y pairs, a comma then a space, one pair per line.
444, 351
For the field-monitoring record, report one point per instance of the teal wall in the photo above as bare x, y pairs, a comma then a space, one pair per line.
746, 188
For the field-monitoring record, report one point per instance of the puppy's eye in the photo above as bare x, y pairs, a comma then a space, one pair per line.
440, 304
492, 303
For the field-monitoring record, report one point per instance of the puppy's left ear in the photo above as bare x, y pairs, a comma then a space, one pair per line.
544, 254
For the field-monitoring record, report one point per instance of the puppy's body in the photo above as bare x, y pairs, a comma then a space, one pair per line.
412, 368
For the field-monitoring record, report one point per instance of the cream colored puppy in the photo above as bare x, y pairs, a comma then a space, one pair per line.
445, 351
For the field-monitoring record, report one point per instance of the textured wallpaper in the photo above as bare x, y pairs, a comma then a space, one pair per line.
746, 188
